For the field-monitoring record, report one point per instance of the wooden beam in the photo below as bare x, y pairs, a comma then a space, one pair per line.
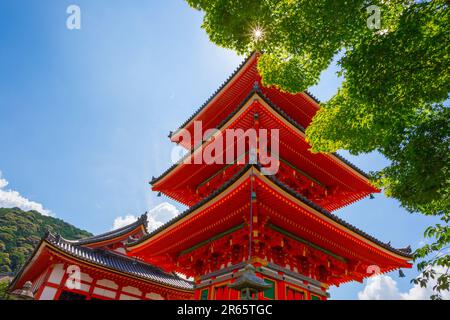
312, 245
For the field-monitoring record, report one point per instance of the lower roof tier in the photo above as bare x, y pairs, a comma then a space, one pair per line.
277, 205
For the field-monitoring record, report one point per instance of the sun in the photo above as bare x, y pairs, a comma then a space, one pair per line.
257, 33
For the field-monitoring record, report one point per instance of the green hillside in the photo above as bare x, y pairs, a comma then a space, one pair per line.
21, 231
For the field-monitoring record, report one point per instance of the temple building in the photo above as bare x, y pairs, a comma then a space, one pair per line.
249, 233
105, 270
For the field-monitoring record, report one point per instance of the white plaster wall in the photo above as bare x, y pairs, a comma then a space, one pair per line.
132, 290
105, 293
127, 297
83, 287
85, 277
154, 296
108, 283
48, 293
57, 274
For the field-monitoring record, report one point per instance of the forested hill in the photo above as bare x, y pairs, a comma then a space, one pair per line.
21, 231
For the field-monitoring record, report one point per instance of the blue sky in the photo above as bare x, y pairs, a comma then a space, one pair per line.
84, 114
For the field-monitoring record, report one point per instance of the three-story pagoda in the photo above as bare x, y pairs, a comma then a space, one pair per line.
275, 229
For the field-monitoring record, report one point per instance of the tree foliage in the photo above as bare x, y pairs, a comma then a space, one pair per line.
4, 290
21, 231
396, 81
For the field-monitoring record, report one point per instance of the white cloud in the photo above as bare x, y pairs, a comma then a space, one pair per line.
13, 199
383, 287
380, 288
156, 216
120, 222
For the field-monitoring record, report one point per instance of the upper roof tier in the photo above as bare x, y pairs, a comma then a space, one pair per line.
301, 106
326, 179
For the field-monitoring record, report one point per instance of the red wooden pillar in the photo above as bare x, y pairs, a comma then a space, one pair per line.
234, 294
281, 288
197, 292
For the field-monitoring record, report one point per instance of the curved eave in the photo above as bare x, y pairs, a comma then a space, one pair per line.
114, 236
330, 217
199, 206
294, 126
305, 203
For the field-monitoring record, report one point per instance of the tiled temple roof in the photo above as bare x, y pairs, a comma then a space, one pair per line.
117, 233
257, 90
406, 252
118, 262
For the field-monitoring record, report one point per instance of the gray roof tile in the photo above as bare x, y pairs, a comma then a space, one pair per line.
121, 263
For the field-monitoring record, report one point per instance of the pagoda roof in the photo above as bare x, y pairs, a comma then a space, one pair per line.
238, 82
107, 260
114, 236
250, 170
257, 91
181, 180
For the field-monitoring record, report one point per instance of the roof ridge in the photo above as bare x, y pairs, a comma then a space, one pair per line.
142, 220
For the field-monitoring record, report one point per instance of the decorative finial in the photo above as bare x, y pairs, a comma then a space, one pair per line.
406, 250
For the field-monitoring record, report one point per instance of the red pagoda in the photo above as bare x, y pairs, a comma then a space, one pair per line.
248, 234
280, 224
